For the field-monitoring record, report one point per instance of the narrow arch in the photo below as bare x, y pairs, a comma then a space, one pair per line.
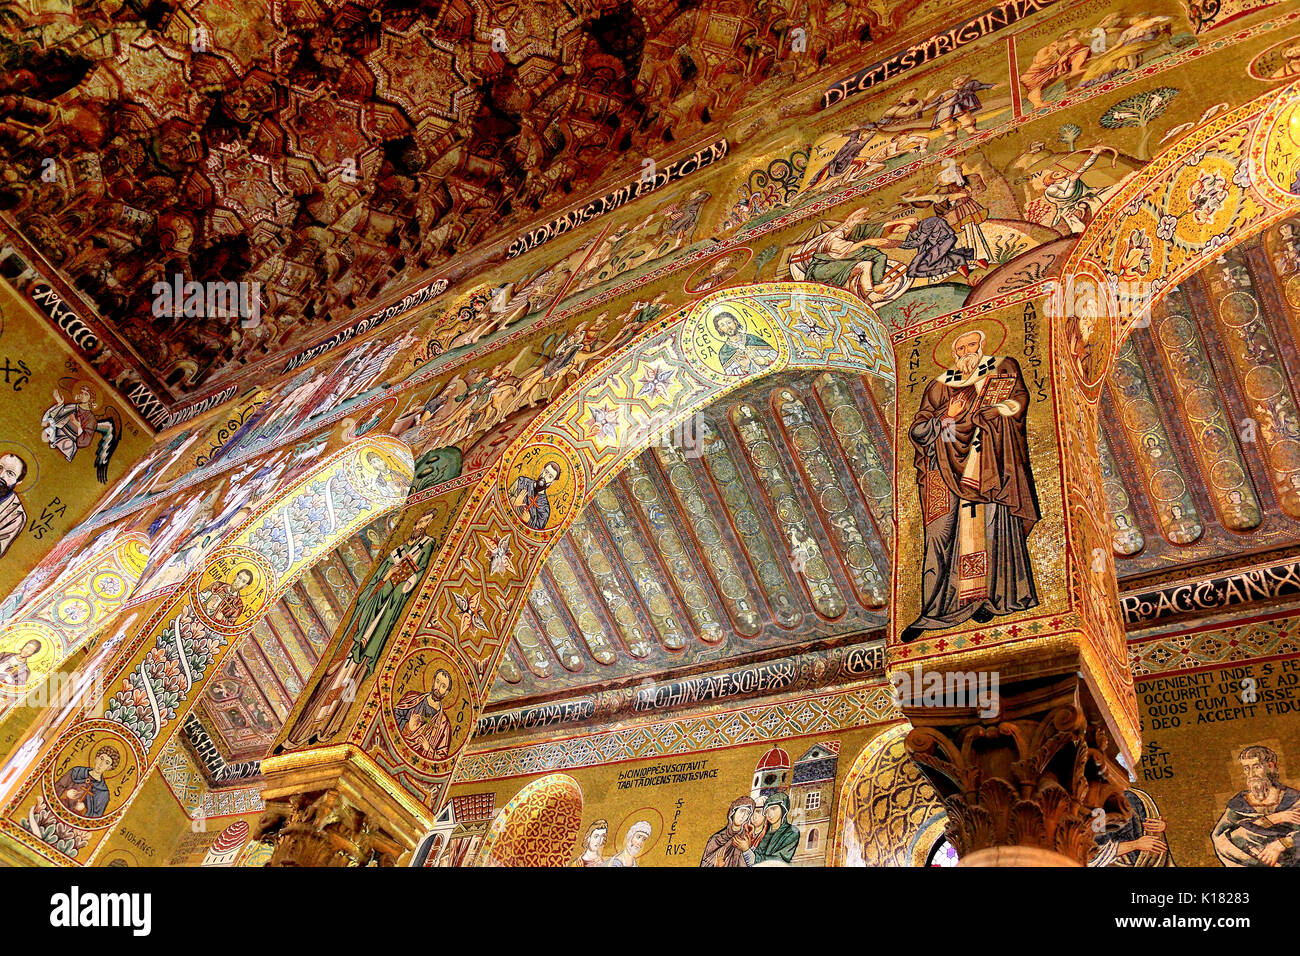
1207, 193
159, 670
428, 849
285, 537
587, 434
66, 616
539, 827
888, 813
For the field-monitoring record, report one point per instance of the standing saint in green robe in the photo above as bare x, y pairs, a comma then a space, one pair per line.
382, 601
782, 837
375, 615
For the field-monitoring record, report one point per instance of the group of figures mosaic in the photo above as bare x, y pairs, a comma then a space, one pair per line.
233, 512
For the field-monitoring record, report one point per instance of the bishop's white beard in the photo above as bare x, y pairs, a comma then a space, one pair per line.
967, 364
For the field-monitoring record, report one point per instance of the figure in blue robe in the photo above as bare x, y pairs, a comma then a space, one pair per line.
935, 242
528, 495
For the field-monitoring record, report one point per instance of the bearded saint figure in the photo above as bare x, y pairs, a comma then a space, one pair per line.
1260, 824
422, 719
976, 489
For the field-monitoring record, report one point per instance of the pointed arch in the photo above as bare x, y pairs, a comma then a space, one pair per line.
584, 436
160, 664
1215, 188
888, 814
1208, 192
539, 827
66, 616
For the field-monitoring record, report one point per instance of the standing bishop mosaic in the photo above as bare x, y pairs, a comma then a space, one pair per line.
977, 491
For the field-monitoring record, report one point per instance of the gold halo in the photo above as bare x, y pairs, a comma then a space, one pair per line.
70, 385
543, 461
994, 332
650, 815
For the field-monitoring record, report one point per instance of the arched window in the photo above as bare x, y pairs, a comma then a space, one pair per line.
426, 853
812, 839
942, 853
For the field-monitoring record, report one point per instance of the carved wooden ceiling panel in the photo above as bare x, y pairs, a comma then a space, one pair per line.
333, 151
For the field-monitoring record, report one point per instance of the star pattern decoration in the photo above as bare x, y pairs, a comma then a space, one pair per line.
655, 382
325, 130
248, 185
500, 559
469, 617
158, 78
606, 422
419, 73
812, 328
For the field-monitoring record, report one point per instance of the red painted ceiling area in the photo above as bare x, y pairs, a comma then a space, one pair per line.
337, 152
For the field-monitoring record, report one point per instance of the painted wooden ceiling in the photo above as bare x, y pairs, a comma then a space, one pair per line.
335, 151
1201, 457
1201, 460
763, 524
213, 138
764, 527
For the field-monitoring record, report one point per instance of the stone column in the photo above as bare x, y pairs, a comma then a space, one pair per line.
1020, 788
336, 807
1006, 645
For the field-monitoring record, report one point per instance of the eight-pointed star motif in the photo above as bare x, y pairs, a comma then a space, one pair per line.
605, 421
468, 617
811, 327
655, 381
499, 555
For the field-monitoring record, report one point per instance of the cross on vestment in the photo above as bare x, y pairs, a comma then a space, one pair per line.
978, 504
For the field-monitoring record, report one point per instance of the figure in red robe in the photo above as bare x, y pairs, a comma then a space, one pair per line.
223, 602
68, 427
730, 846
